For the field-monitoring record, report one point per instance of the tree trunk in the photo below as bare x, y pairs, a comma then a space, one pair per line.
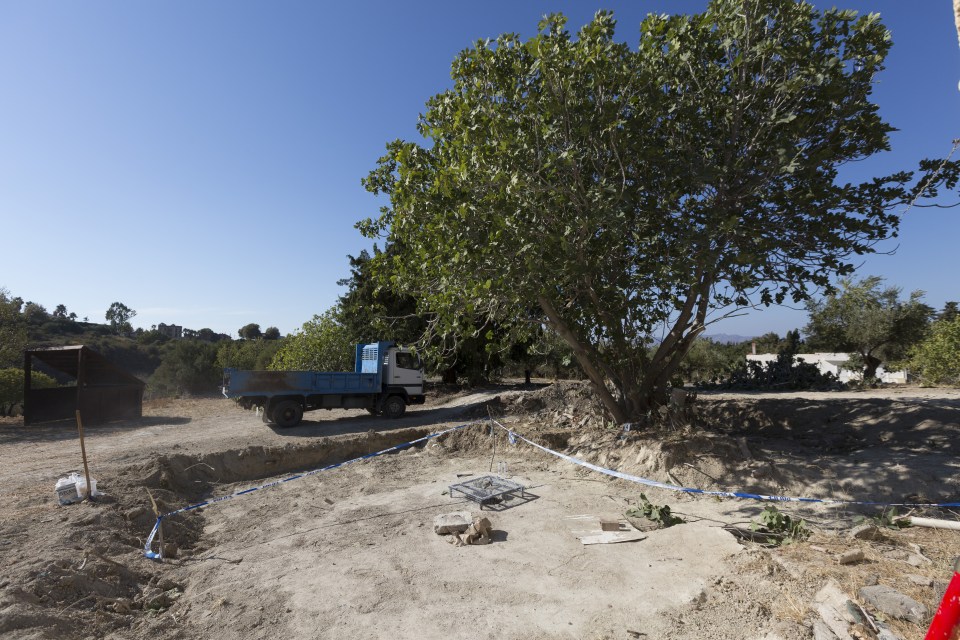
582, 354
870, 364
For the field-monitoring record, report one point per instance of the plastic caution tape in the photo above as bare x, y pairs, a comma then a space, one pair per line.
946, 622
722, 494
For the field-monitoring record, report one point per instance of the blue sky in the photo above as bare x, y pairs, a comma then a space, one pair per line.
201, 161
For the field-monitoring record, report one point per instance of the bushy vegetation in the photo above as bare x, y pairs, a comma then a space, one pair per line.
786, 373
187, 367
11, 388
936, 360
322, 344
248, 354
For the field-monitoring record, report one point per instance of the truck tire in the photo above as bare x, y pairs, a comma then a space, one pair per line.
394, 407
287, 414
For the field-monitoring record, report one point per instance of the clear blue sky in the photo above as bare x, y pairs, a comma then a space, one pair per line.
201, 161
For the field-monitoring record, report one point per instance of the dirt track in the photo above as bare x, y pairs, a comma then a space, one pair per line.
352, 551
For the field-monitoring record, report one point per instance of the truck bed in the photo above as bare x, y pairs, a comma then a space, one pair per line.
303, 383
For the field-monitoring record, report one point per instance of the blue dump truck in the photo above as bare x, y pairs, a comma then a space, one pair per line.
384, 381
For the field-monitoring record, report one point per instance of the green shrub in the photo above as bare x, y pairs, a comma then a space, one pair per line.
322, 344
11, 388
936, 360
187, 367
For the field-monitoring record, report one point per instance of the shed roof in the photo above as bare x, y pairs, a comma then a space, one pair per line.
97, 369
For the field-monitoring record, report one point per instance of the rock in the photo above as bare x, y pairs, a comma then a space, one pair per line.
456, 522
160, 601
479, 532
832, 605
850, 557
822, 632
121, 606
167, 584
135, 513
917, 560
893, 603
884, 633
919, 580
866, 532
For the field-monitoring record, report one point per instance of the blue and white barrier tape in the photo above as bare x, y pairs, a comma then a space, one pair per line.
513, 436
148, 547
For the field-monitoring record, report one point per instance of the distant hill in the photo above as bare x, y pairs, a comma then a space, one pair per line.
729, 338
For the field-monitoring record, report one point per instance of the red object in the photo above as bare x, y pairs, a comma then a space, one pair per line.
946, 622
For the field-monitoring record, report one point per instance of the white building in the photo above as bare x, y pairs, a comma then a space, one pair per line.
832, 363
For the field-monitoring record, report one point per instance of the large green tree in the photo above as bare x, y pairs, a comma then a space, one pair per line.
250, 331
119, 316
868, 320
369, 311
632, 195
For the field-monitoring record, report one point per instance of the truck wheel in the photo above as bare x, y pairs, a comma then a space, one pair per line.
394, 407
287, 414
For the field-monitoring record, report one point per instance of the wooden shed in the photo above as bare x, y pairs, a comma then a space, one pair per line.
99, 389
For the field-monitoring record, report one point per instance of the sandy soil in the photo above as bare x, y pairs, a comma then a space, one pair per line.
351, 552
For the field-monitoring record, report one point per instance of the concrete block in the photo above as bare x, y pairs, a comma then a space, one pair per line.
455, 522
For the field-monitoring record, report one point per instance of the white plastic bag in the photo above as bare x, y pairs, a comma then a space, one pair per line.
73, 488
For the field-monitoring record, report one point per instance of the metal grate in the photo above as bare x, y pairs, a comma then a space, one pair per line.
486, 489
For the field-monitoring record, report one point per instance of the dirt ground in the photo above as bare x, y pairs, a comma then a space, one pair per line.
351, 552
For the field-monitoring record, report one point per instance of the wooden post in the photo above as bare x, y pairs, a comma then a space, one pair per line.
83, 452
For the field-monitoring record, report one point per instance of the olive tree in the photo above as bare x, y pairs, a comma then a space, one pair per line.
868, 320
628, 196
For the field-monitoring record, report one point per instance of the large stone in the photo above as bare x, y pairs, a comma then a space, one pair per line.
893, 603
822, 632
866, 532
455, 522
832, 605
850, 557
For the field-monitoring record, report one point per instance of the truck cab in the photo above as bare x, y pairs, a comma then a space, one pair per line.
402, 368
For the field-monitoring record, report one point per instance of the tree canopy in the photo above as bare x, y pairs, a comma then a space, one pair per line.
119, 316
936, 360
250, 331
626, 197
869, 320
322, 344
